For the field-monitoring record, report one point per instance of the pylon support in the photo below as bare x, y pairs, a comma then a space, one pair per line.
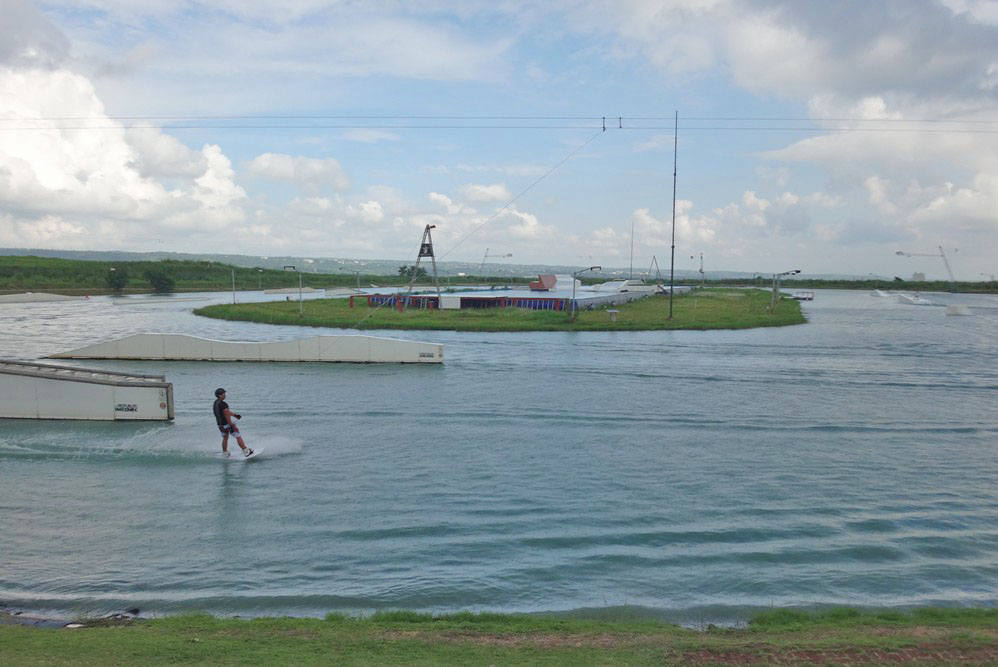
426, 251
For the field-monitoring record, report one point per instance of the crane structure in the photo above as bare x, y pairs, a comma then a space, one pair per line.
941, 253
487, 255
703, 280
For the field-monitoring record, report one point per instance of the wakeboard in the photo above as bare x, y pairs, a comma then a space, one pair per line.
237, 455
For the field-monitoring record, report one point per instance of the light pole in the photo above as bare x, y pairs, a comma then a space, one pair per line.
487, 255
672, 263
776, 285
259, 279
343, 268
989, 275
292, 267
591, 268
233, 287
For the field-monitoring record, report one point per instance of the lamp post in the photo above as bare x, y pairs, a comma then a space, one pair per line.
259, 279
776, 285
572, 310
487, 255
291, 267
342, 268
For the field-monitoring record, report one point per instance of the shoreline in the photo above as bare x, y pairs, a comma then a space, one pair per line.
929, 636
693, 618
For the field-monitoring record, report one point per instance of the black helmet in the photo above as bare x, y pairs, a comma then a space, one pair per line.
219, 392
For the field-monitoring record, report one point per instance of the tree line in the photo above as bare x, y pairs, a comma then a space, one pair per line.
37, 273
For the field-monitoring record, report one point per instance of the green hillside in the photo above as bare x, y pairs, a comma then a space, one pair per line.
29, 273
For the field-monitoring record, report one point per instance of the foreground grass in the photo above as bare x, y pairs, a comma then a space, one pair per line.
926, 637
700, 309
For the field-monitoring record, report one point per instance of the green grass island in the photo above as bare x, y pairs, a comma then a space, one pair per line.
721, 308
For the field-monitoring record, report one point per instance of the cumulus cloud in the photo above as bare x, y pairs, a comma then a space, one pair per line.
446, 202
311, 174
28, 39
497, 192
59, 178
882, 67
43, 232
159, 155
853, 47
982, 11
527, 227
216, 191
367, 211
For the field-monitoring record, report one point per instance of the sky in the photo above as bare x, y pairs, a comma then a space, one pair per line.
824, 136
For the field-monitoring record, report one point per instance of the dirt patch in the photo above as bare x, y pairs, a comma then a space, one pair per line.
933, 654
933, 649
934, 632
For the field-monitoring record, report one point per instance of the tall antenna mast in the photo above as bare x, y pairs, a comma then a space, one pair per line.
672, 266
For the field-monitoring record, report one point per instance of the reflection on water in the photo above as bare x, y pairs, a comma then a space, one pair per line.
851, 460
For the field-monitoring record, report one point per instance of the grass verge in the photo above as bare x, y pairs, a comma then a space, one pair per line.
700, 309
925, 637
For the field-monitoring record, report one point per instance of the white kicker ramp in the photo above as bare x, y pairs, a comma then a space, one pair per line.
44, 391
179, 347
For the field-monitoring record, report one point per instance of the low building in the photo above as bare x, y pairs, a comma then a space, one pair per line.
553, 299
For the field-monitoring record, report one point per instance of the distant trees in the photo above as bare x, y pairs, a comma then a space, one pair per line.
116, 278
161, 281
406, 271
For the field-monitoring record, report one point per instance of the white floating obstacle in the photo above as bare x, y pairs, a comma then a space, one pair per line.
44, 391
37, 297
292, 290
347, 348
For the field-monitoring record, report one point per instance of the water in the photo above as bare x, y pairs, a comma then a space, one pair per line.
694, 475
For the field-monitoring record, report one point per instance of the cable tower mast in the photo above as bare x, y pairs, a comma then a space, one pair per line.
426, 250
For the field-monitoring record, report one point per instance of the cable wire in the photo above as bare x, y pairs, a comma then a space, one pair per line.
522, 192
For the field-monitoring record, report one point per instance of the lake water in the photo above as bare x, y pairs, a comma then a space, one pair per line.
693, 475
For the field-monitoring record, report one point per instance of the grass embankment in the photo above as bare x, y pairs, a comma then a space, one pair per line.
700, 309
926, 637
79, 276
74, 276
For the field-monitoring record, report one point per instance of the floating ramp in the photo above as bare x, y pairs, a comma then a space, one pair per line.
44, 391
349, 348
133, 301
35, 297
292, 290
